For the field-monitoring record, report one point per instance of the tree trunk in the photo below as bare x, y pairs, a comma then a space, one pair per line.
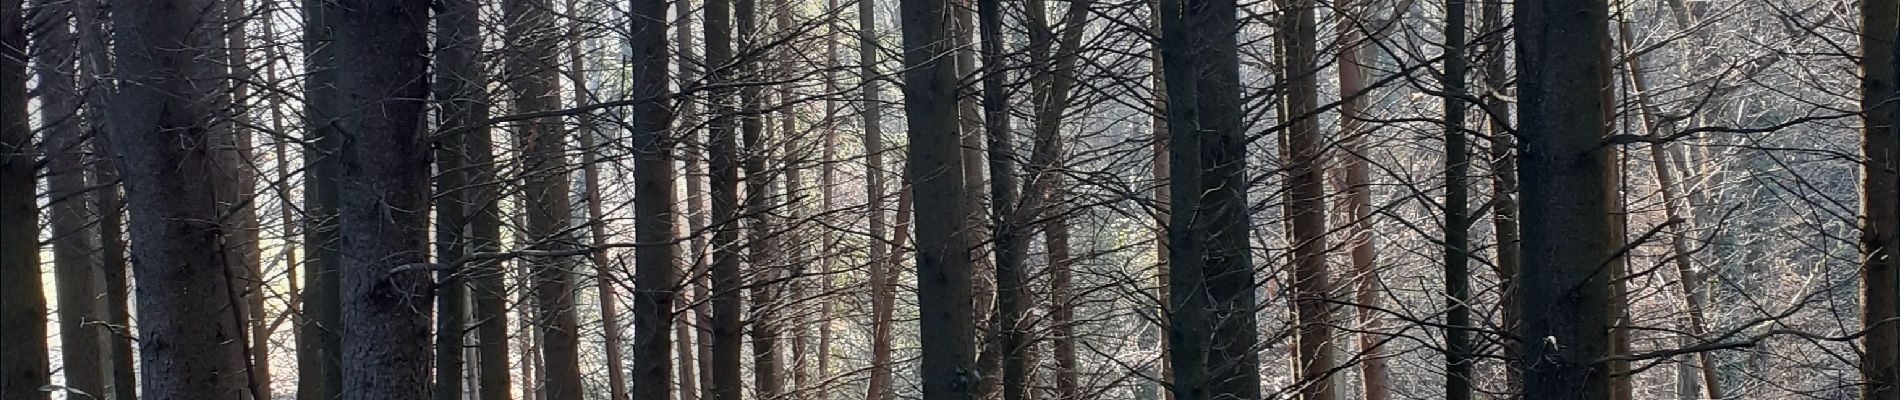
164, 57
322, 292
1504, 215
728, 306
936, 164
384, 192
1355, 178
1212, 330
1877, 200
458, 83
759, 246
23, 362
1306, 204
75, 270
696, 216
1003, 356
94, 63
1458, 357
532, 62
654, 184
828, 184
604, 278
240, 191
882, 280
1566, 213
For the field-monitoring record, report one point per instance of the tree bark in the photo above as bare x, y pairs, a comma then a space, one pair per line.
23, 362
532, 61
936, 164
76, 270
163, 131
458, 83
1212, 329
604, 277
728, 306
1458, 357
1503, 163
1306, 204
654, 184
1878, 200
882, 280
384, 198
1355, 177
94, 65
1566, 213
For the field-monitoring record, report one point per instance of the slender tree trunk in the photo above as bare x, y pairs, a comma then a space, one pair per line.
604, 278
1458, 357
1003, 356
23, 362
458, 83
728, 306
322, 331
936, 164
882, 280
1878, 199
1306, 204
1566, 213
828, 188
1163, 373
487, 278
1355, 178
760, 247
75, 270
241, 187
1694, 296
532, 60
696, 215
1057, 78
94, 63
1621, 381
1212, 329
1504, 215
655, 221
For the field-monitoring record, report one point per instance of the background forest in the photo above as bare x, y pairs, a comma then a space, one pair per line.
948, 199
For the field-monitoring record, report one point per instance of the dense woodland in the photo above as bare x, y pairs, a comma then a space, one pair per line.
949, 199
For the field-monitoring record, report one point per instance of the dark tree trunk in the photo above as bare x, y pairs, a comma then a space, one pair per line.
728, 306
163, 132
458, 91
321, 349
935, 164
1458, 360
76, 272
94, 64
1566, 212
1878, 201
23, 363
654, 184
1212, 329
1306, 204
384, 195
1503, 162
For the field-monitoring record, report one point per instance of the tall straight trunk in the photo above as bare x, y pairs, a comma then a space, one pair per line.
322, 332
760, 249
1306, 204
1566, 213
1212, 330
604, 279
532, 60
1878, 198
1056, 80
384, 191
164, 59
1503, 163
286, 215
458, 83
1003, 357
1355, 178
935, 166
1701, 369
655, 221
828, 189
94, 63
882, 274
1621, 381
23, 362
75, 269
487, 278
1163, 373
727, 305
1458, 357
240, 173
695, 332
